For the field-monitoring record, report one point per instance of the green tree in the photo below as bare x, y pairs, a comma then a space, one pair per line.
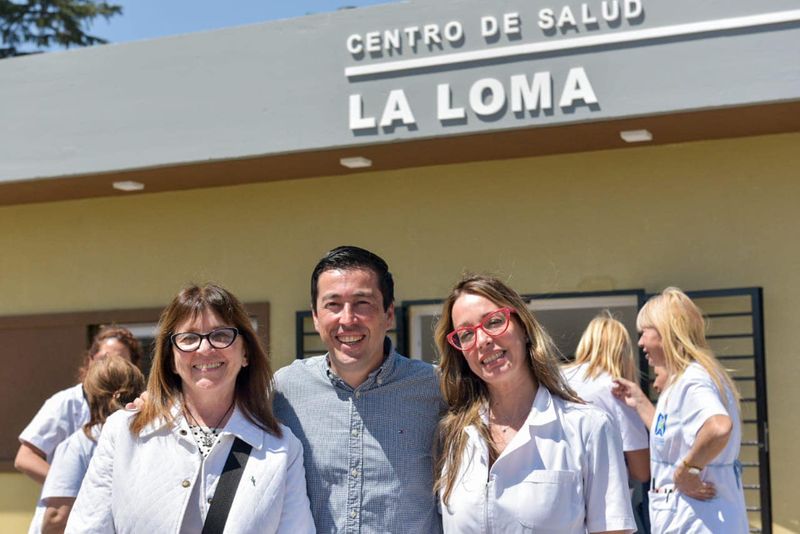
44, 23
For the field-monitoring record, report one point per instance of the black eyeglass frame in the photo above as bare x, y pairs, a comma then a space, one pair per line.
206, 336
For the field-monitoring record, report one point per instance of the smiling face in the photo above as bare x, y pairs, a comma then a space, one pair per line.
208, 371
500, 361
351, 321
650, 343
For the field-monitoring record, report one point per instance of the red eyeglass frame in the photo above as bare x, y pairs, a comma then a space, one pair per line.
474, 329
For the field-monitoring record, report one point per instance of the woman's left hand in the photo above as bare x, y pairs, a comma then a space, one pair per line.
692, 485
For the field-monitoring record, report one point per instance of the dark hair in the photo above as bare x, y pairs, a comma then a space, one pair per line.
123, 335
348, 258
254, 387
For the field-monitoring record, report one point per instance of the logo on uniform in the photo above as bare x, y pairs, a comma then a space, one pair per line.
661, 424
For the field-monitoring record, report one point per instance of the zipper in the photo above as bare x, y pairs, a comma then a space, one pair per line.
486, 508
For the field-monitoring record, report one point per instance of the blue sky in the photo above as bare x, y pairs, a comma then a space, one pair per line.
147, 19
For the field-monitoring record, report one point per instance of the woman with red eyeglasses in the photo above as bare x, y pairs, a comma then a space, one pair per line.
519, 451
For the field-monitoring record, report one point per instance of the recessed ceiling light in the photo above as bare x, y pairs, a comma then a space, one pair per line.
636, 136
356, 163
128, 185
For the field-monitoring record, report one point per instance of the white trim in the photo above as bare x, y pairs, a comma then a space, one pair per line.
748, 21
571, 303
415, 314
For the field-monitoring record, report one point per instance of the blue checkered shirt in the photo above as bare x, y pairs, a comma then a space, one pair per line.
367, 451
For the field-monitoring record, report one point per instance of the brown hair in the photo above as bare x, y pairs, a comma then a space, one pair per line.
109, 385
253, 388
606, 347
106, 332
465, 393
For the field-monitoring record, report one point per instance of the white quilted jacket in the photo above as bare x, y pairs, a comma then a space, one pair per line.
146, 483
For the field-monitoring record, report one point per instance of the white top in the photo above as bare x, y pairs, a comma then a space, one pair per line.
598, 392
682, 409
70, 463
562, 472
157, 481
59, 417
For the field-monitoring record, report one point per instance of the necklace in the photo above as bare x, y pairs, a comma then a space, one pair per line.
208, 435
511, 423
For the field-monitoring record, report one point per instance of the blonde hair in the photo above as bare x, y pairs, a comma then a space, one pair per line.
465, 393
682, 328
109, 385
606, 347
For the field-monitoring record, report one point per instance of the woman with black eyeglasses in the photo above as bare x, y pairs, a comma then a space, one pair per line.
519, 451
205, 453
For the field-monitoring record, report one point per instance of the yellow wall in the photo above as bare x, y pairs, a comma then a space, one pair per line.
700, 215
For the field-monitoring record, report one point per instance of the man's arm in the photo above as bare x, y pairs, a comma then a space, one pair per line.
31, 461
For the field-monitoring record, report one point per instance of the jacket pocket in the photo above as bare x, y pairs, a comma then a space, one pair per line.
550, 501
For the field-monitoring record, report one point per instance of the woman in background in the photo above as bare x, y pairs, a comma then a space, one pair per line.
605, 352
109, 385
695, 429
519, 451
66, 411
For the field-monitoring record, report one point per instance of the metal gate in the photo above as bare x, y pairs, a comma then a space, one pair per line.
736, 334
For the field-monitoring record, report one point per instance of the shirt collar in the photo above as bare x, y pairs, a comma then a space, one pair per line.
378, 376
542, 412
238, 425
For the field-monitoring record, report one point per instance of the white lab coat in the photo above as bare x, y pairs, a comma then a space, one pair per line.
562, 473
682, 409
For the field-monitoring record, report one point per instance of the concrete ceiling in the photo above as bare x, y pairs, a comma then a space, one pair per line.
521, 143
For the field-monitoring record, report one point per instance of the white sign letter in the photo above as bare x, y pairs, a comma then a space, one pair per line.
565, 19
445, 109
357, 120
489, 26
397, 109
577, 87
633, 8
546, 19
354, 44
453, 31
530, 97
511, 23
496, 98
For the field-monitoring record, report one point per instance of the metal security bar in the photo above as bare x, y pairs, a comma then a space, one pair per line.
736, 334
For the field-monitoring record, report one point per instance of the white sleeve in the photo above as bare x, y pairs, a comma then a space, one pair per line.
296, 512
92, 511
608, 502
70, 462
631, 426
699, 400
50, 425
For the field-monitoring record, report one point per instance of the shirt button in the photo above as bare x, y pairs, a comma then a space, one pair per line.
358, 394
183, 432
186, 483
354, 472
209, 500
354, 432
353, 514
